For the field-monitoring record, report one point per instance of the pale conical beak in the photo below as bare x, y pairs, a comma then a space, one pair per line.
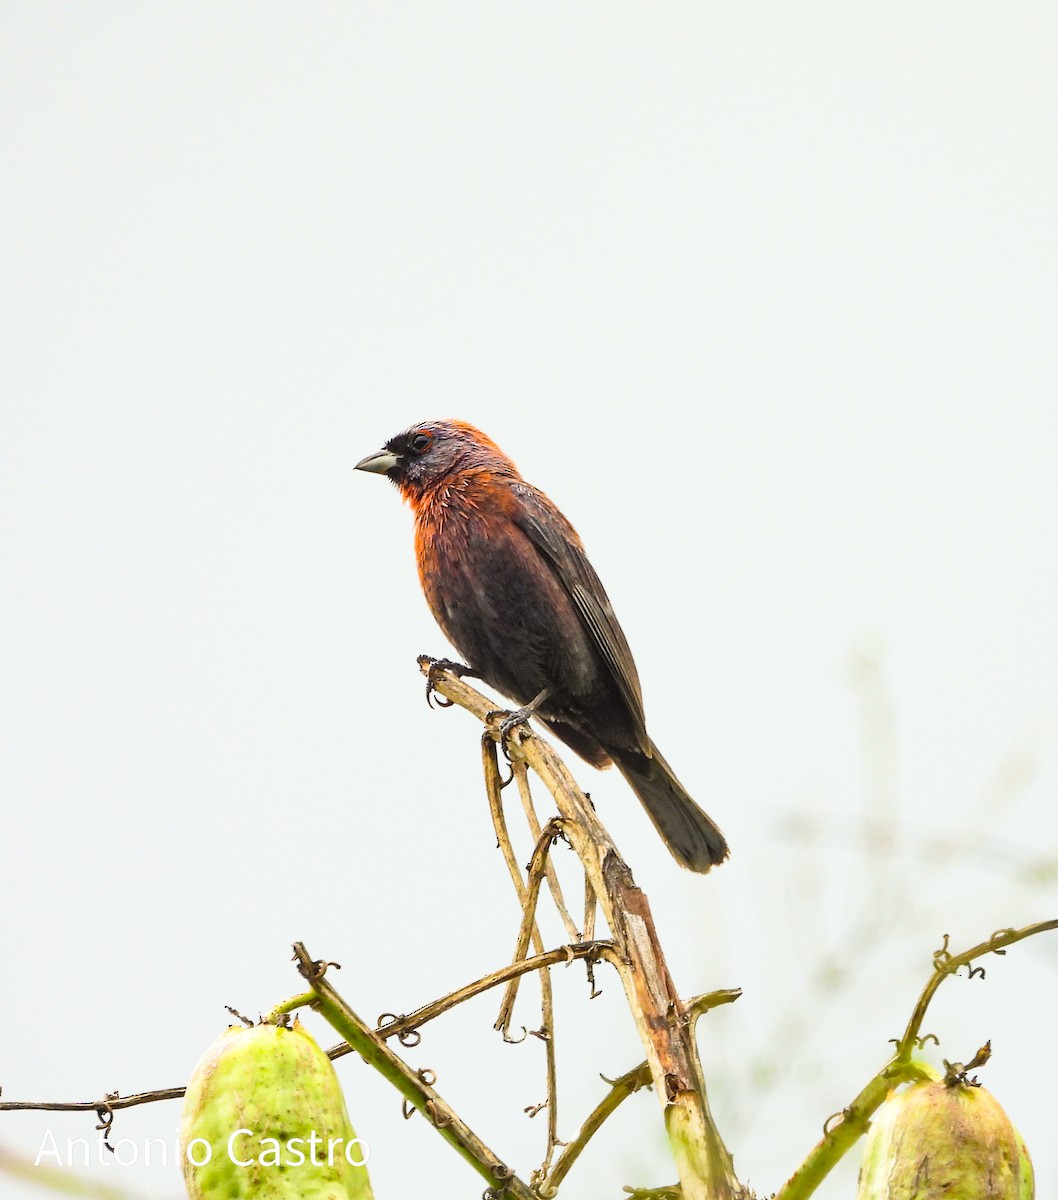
379, 463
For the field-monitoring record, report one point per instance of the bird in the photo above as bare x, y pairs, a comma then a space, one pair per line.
507, 579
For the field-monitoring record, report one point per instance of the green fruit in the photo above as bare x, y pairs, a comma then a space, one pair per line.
264, 1119
934, 1141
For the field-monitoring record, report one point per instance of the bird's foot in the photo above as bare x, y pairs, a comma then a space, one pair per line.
437, 665
509, 721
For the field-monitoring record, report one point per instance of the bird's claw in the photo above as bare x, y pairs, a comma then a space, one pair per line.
508, 723
437, 665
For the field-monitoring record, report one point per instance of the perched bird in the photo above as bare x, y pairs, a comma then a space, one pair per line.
507, 579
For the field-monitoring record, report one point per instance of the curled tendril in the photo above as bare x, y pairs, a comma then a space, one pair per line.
317, 969
942, 957
106, 1119
426, 1076
407, 1037
502, 1172
532, 1110
407, 1109
828, 1124
919, 1042
516, 1041
1000, 933
976, 972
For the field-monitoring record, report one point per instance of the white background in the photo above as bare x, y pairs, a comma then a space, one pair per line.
764, 296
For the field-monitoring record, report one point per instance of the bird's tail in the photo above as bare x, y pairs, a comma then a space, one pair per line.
694, 840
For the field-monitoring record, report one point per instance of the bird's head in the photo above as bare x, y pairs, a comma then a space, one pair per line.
433, 453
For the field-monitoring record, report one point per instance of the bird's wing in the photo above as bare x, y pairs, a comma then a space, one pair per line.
557, 541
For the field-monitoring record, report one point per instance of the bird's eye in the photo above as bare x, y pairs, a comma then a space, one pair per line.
419, 442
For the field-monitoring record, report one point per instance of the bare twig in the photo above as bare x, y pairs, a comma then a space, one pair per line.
589, 951
493, 788
547, 1033
620, 1090
113, 1102
527, 892
521, 776
591, 906
535, 878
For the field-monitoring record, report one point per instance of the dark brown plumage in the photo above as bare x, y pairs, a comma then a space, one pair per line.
508, 581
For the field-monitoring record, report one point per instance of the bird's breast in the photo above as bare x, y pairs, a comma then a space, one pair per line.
497, 600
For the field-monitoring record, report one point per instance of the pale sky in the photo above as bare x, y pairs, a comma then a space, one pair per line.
764, 296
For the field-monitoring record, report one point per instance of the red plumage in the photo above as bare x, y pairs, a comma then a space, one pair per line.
507, 579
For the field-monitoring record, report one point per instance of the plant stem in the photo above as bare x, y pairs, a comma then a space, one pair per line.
304, 1000
411, 1084
839, 1137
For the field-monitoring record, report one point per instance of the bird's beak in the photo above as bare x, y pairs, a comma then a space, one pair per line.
379, 463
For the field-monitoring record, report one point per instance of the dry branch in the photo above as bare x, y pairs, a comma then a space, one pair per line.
703, 1163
